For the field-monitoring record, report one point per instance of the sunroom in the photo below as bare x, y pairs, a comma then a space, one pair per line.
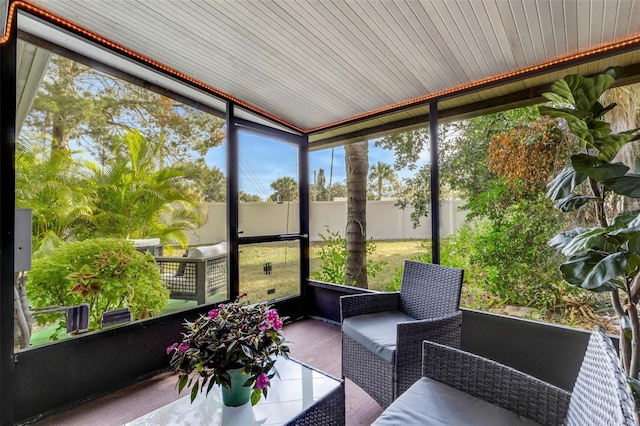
298, 79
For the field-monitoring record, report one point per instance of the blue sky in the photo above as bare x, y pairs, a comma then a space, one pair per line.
262, 161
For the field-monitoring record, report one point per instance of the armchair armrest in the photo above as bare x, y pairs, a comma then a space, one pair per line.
369, 303
444, 330
495, 383
410, 335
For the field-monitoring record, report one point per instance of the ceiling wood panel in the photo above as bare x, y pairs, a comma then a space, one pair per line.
316, 63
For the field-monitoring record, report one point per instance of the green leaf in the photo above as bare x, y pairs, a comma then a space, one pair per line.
182, 381
597, 169
591, 239
624, 219
194, 390
621, 236
563, 184
635, 385
590, 89
573, 202
612, 266
255, 396
598, 110
609, 144
565, 237
577, 268
634, 245
628, 185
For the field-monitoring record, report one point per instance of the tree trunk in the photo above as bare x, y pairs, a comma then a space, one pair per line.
22, 314
357, 164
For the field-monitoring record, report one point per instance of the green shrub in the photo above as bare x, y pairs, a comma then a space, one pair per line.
333, 255
516, 263
105, 273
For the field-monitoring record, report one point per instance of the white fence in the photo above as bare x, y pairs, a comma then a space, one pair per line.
385, 221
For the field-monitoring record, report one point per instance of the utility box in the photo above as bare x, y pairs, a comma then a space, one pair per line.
22, 241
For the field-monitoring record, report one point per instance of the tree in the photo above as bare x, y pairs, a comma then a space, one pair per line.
286, 189
321, 191
215, 185
135, 198
357, 166
78, 104
248, 198
604, 257
337, 190
463, 154
379, 174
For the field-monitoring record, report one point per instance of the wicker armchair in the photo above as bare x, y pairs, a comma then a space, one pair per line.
464, 388
382, 333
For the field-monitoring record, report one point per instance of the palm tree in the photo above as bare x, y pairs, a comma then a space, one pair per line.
379, 174
357, 164
49, 182
135, 198
286, 189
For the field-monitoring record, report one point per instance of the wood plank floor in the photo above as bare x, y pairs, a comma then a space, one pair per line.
314, 342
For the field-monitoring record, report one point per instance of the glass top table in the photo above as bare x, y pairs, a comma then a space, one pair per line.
300, 396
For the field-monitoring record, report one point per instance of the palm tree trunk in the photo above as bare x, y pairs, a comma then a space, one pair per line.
357, 164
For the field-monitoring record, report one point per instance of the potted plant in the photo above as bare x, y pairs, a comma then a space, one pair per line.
604, 257
233, 345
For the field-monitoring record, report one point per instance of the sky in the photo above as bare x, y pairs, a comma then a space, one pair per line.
262, 161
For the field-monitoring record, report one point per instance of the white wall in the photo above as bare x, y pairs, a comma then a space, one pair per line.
385, 221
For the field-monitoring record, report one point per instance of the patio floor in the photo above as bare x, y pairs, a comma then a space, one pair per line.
314, 342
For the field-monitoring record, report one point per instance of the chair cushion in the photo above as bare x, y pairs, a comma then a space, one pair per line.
376, 332
207, 251
429, 402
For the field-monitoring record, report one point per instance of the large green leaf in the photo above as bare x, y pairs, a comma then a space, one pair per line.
562, 185
590, 89
596, 168
609, 268
597, 110
628, 185
591, 239
565, 237
622, 236
564, 87
608, 145
625, 219
573, 202
589, 269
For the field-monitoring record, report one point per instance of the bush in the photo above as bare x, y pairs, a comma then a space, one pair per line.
105, 273
516, 263
333, 255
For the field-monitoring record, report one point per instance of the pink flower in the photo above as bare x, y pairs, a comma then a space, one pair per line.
182, 348
213, 313
277, 325
262, 381
171, 348
272, 315
264, 326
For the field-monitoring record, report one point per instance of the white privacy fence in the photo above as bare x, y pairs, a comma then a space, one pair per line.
385, 221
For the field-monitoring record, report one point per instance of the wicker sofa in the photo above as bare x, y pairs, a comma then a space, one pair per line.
463, 389
198, 275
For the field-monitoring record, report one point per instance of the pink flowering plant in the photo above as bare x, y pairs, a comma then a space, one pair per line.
233, 335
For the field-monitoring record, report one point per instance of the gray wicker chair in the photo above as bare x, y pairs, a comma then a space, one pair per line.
382, 333
464, 388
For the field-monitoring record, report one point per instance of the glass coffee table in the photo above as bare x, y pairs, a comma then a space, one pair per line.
300, 396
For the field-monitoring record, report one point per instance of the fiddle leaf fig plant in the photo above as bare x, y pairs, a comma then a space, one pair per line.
606, 256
